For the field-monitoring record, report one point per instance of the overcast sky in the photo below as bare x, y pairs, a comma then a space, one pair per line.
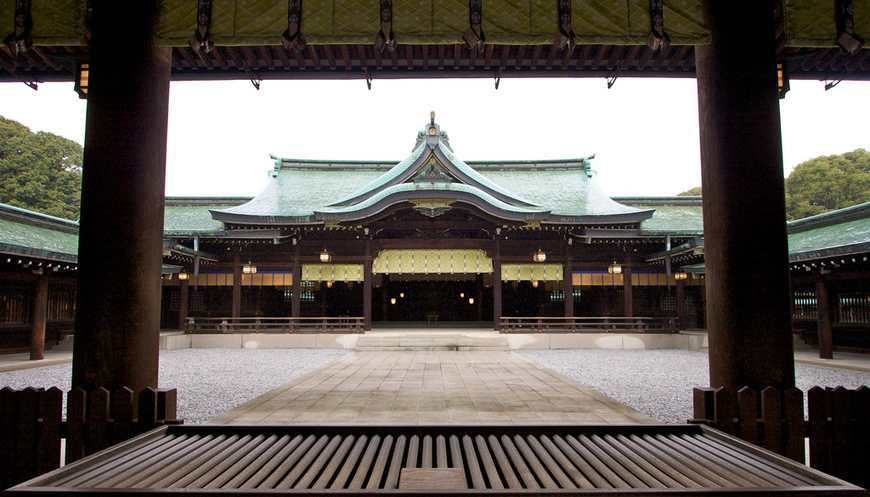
644, 132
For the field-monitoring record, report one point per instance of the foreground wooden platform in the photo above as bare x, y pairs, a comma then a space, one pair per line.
650, 460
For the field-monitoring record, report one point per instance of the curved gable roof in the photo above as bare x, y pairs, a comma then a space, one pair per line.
312, 192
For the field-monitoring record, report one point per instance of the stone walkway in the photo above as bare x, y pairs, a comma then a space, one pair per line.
434, 388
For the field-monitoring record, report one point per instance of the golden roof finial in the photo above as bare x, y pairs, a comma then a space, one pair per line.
432, 116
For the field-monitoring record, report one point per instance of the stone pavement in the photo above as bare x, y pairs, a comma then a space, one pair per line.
432, 387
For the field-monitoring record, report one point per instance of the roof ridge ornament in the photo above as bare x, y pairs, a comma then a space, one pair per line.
432, 134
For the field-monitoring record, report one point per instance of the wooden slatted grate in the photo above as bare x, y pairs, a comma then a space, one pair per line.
592, 460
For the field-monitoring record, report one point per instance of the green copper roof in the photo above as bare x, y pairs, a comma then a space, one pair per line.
24, 232
841, 232
675, 215
183, 215
301, 191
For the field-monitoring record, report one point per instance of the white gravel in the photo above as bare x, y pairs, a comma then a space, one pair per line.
212, 381
659, 383
209, 381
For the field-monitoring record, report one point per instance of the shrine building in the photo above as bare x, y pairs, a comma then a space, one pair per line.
433, 239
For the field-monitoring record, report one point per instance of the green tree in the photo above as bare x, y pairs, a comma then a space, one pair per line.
694, 192
39, 171
828, 183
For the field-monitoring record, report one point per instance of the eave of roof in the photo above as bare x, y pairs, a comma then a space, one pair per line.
28, 233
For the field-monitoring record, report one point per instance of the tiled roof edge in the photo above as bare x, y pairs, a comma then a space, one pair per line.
7, 248
688, 201
179, 201
839, 216
37, 219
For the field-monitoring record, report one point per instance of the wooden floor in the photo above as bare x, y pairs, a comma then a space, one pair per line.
432, 387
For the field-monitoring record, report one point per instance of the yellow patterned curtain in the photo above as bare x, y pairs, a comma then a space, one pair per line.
425, 261
332, 272
531, 272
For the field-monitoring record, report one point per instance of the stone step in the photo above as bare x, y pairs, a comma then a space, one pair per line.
431, 342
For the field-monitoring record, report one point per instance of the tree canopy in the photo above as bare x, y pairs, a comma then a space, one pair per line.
824, 184
39, 171
828, 183
694, 192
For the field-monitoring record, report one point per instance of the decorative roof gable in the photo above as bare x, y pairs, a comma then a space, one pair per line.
433, 180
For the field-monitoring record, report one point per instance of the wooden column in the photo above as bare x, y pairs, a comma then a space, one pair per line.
681, 304
183, 299
385, 298
823, 307
627, 291
296, 297
478, 282
367, 288
496, 286
120, 252
568, 284
40, 314
237, 286
746, 252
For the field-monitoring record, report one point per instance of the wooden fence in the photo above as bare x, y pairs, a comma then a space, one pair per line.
585, 324
275, 325
838, 424
32, 425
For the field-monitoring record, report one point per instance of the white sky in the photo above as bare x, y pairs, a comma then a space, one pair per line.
644, 131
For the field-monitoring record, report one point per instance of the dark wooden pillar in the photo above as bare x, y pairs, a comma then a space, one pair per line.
746, 251
121, 230
568, 285
478, 283
823, 307
627, 291
237, 286
40, 314
367, 288
183, 299
296, 297
496, 287
681, 304
385, 297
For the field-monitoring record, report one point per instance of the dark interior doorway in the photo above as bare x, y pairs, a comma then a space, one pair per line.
422, 300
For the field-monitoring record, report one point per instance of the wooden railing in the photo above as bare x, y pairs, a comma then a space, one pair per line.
838, 425
588, 325
32, 426
275, 325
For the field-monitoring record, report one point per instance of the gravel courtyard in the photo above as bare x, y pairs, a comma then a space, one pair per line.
212, 381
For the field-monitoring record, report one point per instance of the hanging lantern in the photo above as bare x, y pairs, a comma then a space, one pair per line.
249, 268
535, 283
183, 276
325, 256
614, 268
393, 300
539, 256
329, 284
471, 300
680, 275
